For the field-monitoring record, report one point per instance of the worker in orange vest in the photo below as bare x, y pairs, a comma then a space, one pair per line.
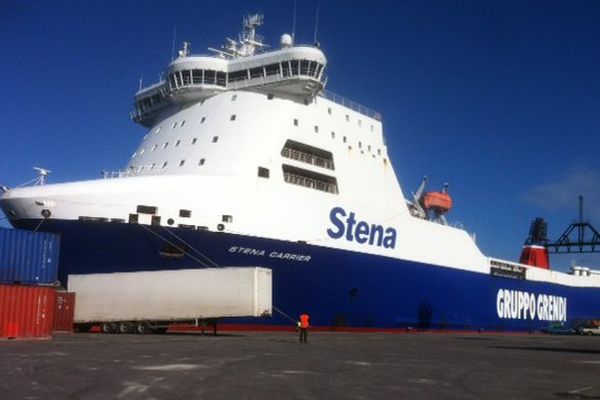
303, 324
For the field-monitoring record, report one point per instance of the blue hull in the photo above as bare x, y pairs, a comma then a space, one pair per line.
338, 288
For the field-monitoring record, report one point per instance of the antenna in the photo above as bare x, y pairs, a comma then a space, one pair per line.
173, 43
294, 23
317, 22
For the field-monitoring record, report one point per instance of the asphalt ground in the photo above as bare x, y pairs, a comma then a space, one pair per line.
276, 366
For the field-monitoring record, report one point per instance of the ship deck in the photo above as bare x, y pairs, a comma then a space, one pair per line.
275, 365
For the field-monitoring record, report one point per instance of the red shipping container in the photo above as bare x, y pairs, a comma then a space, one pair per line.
26, 311
64, 312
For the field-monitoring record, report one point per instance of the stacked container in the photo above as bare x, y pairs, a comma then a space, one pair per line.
28, 273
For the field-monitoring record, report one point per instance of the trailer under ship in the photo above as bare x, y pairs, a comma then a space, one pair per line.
247, 160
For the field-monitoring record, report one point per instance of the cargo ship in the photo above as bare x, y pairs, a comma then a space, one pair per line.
248, 160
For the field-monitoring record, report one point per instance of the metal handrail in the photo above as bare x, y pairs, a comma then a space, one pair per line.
341, 100
307, 158
309, 182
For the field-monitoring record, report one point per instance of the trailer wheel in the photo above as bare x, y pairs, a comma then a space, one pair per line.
124, 327
141, 327
108, 327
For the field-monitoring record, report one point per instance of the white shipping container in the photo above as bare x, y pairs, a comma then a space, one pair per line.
172, 295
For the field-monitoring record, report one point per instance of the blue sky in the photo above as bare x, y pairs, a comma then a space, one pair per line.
498, 98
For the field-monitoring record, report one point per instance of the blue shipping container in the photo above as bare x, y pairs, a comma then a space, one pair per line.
28, 257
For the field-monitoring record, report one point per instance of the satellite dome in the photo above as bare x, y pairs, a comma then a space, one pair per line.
286, 40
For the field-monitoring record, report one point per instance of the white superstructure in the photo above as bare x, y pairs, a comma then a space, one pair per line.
248, 142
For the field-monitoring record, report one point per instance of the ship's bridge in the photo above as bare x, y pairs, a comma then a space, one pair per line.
297, 71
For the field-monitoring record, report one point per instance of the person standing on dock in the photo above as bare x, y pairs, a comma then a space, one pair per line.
303, 324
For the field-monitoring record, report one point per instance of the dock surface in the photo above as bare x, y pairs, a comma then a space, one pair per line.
276, 366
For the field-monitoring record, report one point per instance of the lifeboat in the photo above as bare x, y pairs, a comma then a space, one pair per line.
440, 202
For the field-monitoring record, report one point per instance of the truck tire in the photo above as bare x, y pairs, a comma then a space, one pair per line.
108, 327
124, 327
141, 327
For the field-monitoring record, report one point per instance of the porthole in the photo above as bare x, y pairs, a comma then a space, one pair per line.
170, 221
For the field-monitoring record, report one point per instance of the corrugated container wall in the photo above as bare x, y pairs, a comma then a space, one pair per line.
28, 257
64, 312
26, 312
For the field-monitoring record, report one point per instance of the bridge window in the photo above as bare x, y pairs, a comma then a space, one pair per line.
304, 67
164, 165
272, 69
312, 69
256, 72
285, 68
333, 135
238, 76
210, 77
215, 139
295, 122
202, 161
309, 179
294, 66
316, 129
221, 78
172, 83
197, 76
154, 147
194, 140
308, 154
181, 163
165, 145
319, 69
232, 117
202, 120
177, 143
187, 77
